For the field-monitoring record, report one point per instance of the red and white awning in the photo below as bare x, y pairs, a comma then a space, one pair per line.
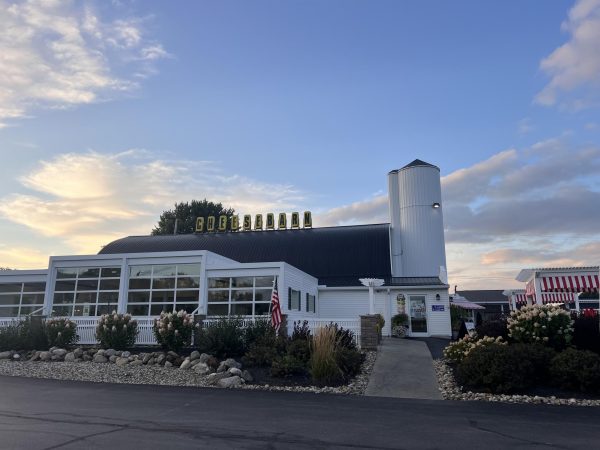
568, 283
558, 297
520, 299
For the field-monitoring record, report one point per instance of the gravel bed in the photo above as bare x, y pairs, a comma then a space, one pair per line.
158, 375
451, 390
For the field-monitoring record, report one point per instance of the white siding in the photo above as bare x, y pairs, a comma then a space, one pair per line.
300, 281
343, 303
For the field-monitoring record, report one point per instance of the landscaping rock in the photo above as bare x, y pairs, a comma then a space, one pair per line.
87, 357
45, 356
112, 358
125, 354
212, 362
98, 352
194, 362
201, 368
78, 353
213, 378
161, 359
5, 355
60, 352
172, 354
168, 364
35, 356
16, 357
110, 352
247, 376
230, 382
194, 355
99, 358
204, 357
185, 364
235, 371
70, 357
120, 361
147, 357
230, 362
137, 362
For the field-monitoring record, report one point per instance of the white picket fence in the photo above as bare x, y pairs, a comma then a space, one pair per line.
314, 324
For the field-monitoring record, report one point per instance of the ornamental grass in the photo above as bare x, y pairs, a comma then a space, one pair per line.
323, 365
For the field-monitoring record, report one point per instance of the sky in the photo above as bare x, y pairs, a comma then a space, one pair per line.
112, 111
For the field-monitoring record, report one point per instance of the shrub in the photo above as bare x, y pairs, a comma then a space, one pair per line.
61, 332
259, 330
586, 334
496, 368
540, 357
455, 352
576, 369
380, 323
173, 330
349, 361
116, 331
546, 324
323, 366
400, 320
493, 328
343, 337
223, 338
27, 334
287, 365
301, 331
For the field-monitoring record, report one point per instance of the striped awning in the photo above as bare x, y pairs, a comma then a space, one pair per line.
520, 299
558, 297
568, 283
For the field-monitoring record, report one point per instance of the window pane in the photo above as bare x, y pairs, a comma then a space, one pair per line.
155, 310
110, 285
137, 310
217, 309
263, 295
188, 307
139, 297
66, 273
87, 285
63, 298
114, 272
164, 271
241, 309
10, 287
32, 299
10, 299
187, 296
62, 310
261, 309
188, 283
27, 310
163, 283
86, 272
9, 312
85, 297
241, 296
264, 282
241, 282
65, 286
105, 309
141, 283
218, 282
79, 309
218, 296
163, 296
140, 271
108, 297
34, 287
188, 269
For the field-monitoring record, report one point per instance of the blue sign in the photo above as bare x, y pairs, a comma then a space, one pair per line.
437, 307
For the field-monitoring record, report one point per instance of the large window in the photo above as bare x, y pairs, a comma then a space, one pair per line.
294, 300
22, 299
239, 296
166, 287
310, 303
86, 291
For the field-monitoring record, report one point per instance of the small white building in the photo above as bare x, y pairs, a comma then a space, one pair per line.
232, 273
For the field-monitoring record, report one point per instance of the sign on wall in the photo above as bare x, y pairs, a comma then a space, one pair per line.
211, 223
439, 308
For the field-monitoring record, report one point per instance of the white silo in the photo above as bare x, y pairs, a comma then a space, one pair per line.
417, 223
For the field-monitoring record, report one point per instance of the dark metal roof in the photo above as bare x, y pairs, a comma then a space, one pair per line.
484, 296
388, 281
350, 252
416, 163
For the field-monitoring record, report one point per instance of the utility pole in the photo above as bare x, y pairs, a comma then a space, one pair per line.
175, 227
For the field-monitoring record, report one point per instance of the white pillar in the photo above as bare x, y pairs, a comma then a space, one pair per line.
576, 295
371, 301
538, 290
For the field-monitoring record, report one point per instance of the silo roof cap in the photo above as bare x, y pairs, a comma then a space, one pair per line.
416, 163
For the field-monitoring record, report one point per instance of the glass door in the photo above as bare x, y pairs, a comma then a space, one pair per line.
418, 314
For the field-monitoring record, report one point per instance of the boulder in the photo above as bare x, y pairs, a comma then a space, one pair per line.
16, 357
230, 382
70, 357
212, 362
136, 362
235, 371
194, 355
35, 356
87, 357
147, 357
194, 362
99, 352
99, 358
151, 361
55, 358
201, 368
113, 358
204, 357
214, 378
60, 352
185, 364
161, 359
125, 354
230, 362
5, 355
247, 376
110, 352
78, 353
45, 356
168, 364
120, 361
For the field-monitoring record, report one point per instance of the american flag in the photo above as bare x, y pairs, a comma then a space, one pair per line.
275, 308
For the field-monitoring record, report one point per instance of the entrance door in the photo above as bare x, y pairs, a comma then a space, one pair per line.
418, 315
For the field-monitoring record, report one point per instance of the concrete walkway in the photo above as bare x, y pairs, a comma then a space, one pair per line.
404, 369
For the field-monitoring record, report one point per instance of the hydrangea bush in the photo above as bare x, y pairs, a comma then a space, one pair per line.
545, 324
173, 330
459, 350
61, 332
116, 331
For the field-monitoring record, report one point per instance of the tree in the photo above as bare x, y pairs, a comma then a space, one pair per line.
186, 214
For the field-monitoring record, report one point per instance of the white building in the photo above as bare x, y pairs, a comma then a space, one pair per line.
232, 273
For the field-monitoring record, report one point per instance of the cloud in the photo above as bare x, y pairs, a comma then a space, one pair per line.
62, 54
574, 67
89, 199
525, 125
374, 210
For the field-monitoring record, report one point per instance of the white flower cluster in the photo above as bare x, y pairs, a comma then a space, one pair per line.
540, 323
168, 320
457, 351
114, 322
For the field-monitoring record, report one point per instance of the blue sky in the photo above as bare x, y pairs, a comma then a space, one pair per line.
114, 110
